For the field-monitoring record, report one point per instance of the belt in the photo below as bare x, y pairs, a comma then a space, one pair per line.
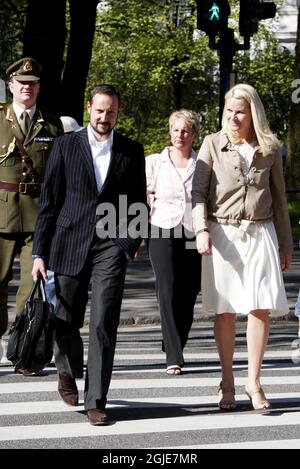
30, 188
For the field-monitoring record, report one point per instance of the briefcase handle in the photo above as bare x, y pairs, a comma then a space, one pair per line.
40, 286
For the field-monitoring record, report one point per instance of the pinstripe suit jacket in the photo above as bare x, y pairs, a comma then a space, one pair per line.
67, 217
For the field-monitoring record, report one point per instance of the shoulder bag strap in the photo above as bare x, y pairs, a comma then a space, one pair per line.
26, 158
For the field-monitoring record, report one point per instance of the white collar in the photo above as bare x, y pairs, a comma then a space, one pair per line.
99, 144
19, 110
165, 156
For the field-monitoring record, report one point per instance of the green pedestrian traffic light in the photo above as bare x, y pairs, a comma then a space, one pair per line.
212, 15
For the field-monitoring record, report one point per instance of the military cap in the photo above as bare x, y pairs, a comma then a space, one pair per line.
26, 69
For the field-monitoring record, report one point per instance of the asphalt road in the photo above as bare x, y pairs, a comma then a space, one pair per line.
155, 412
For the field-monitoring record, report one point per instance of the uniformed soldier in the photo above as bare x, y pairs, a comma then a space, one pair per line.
26, 137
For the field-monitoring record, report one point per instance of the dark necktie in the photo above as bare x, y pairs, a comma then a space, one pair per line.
24, 122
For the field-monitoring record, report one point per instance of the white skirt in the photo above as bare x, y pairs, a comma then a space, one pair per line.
243, 274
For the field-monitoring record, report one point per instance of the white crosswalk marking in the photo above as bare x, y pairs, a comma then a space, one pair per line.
11, 388
151, 410
271, 444
144, 426
153, 402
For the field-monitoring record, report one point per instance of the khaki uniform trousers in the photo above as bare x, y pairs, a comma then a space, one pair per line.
12, 244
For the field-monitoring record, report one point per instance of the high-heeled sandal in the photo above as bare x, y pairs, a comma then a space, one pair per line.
226, 398
264, 404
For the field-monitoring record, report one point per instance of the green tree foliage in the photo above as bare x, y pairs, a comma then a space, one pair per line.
271, 73
12, 23
151, 51
293, 157
59, 34
148, 50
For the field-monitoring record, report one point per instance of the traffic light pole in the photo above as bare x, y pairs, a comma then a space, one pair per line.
227, 48
212, 17
227, 51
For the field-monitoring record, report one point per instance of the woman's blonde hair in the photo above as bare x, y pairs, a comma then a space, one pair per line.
267, 140
190, 117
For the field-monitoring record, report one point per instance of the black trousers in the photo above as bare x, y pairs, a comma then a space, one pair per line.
177, 269
105, 268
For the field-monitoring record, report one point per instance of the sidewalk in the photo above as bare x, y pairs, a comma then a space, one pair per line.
139, 304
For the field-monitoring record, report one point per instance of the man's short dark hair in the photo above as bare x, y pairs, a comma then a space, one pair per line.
110, 90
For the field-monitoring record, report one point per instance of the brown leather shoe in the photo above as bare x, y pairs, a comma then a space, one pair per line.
68, 390
97, 417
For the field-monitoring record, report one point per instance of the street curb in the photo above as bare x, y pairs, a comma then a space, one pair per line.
151, 319
155, 319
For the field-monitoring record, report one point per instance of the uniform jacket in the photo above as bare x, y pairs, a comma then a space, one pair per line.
18, 211
67, 218
168, 195
221, 192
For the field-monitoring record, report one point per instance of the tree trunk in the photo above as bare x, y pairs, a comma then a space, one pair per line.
83, 19
176, 87
293, 157
44, 39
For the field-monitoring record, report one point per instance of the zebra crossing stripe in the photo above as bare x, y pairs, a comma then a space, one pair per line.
171, 382
41, 407
260, 444
198, 356
136, 369
148, 426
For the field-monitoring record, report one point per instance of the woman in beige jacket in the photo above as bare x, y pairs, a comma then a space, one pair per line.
243, 232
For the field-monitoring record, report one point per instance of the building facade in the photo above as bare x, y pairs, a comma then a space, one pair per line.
288, 20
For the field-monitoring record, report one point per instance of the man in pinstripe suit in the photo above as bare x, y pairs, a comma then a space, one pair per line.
86, 170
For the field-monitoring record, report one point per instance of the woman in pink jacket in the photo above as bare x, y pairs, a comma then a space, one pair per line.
172, 248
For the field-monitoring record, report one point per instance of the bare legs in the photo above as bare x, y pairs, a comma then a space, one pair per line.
225, 339
257, 338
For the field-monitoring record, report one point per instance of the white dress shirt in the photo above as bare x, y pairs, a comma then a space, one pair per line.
19, 110
101, 153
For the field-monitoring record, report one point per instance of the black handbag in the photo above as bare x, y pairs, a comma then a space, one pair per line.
31, 338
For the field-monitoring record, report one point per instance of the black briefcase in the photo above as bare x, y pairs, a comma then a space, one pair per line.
31, 338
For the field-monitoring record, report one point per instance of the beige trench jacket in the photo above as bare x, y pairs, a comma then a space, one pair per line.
221, 193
